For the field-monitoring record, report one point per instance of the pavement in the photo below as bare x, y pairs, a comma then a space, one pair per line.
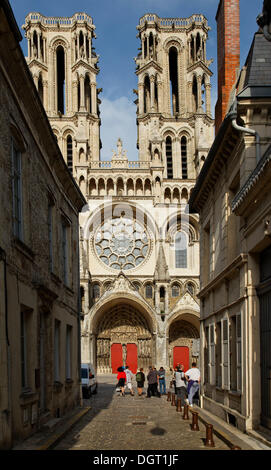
107, 421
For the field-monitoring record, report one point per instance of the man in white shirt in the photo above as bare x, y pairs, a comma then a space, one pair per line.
193, 377
129, 376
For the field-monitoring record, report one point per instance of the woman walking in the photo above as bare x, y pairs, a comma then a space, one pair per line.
121, 377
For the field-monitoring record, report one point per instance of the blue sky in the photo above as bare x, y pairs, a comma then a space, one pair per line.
117, 45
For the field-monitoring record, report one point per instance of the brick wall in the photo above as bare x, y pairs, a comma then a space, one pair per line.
228, 54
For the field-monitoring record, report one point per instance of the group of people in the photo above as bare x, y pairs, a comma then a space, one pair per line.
186, 384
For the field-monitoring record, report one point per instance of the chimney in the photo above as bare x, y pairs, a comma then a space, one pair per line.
228, 54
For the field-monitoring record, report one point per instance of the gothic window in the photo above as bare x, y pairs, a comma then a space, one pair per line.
194, 95
78, 95
151, 45
60, 62
184, 157
96, 291
203, 94
41, 47
162, 292
190, 288
35, 44
107, 285
198, 48
192, 49
87, 94
87, 47
145, 47
169, 157
155, 95
69, 153
175, 290
180, 250
81, 44
173, 76
121, 243
136, 285
40, 87
148, 291
147, 94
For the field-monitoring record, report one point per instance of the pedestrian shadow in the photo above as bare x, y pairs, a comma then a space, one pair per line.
158, 431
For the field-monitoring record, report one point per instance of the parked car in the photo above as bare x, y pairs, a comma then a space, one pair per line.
88, 380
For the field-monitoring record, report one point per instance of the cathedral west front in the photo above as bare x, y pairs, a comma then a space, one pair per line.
139, 245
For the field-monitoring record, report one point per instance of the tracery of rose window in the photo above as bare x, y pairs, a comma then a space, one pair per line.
121, 243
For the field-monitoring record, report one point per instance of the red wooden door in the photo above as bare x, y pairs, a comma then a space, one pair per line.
116, 357
181, 356
131, 359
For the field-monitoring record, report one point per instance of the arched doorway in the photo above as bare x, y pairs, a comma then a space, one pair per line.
183, 343
123, 337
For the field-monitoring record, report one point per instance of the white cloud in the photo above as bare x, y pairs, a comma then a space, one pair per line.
118, 119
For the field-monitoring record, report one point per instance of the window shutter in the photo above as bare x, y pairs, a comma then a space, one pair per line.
225, 354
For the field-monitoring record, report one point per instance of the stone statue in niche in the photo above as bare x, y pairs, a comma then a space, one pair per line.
124, 354
82, 52
35, 51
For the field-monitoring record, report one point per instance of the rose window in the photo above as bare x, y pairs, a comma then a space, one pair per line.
121, 243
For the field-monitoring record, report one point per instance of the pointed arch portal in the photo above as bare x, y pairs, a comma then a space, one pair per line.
123, 337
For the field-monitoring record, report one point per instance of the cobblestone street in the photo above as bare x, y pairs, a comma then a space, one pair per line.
133, 423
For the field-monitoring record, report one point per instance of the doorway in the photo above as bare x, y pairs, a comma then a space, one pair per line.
122, 355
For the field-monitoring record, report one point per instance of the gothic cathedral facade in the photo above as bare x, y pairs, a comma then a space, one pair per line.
139, 262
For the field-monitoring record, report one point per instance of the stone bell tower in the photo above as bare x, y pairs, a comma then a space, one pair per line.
63, 62
174, 94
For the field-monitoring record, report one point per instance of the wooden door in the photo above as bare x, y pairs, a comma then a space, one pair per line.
181, 356
116, 357
131, 360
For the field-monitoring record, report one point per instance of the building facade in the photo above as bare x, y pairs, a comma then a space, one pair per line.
232, 196
39, 256
139, 246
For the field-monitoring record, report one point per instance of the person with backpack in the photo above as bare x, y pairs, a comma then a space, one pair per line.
140, 379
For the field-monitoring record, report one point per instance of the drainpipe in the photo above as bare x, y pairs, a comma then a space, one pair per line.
246, 130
